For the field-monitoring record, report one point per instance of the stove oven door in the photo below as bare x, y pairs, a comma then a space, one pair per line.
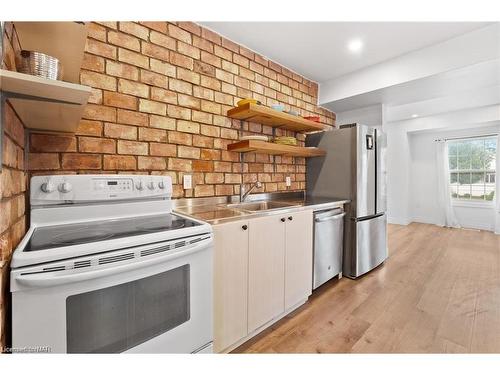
152, 299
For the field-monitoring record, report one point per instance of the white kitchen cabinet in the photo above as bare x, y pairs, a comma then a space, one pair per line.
298, 257
262, 269
266, 270
230, 283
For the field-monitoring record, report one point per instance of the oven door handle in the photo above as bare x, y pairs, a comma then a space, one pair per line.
48, 279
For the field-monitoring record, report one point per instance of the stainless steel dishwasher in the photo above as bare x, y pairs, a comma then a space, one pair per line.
328, 245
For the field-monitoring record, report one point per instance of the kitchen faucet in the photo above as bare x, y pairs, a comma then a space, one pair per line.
244, 194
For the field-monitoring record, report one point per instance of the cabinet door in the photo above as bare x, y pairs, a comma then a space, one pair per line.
230, 283
266, 267
298, 257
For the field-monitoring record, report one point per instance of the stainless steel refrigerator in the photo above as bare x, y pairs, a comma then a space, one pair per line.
354, 168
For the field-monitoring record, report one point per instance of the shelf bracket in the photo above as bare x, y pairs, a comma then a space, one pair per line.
242, 158
274, 156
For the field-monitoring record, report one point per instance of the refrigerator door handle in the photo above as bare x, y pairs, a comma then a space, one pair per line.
369, 142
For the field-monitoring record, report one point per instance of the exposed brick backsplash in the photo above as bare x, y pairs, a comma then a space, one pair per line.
12, 190
160, 93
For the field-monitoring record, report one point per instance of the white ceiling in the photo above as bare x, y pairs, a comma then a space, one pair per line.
318, 50
474, 77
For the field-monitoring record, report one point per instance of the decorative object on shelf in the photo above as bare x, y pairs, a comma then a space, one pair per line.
263, 138
247, 100
267, 116
285, 141
270, 148
39, 64
312, 118
292, 112
278, 107
63, 40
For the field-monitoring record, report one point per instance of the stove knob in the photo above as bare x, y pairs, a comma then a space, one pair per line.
151, 185
140, 185
65, 187
161, 185
47, 187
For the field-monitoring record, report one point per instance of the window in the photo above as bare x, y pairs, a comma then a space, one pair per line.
473, 168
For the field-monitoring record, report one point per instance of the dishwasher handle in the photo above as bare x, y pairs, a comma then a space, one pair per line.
329, 218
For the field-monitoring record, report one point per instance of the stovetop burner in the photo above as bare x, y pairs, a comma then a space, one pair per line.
70, 238
44, 238
154, 226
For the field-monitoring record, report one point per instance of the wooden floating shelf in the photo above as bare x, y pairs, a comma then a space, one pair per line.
270, 117
42, 103
262, 147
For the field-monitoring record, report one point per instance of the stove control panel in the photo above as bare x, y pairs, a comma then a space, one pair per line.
118, 184
59, 189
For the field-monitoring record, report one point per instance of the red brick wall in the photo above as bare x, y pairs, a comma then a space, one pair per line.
12, 192
160, 95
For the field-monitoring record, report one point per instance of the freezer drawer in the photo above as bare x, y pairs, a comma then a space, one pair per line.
367, 245
328, 245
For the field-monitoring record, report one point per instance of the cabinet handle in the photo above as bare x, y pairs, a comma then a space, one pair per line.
282, 219
290, 218
244, 227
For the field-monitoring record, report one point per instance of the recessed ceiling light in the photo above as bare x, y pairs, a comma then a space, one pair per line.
414, 115
355, 45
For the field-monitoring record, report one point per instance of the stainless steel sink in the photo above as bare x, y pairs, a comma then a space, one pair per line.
260, 206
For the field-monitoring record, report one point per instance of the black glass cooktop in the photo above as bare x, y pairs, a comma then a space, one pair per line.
80, 233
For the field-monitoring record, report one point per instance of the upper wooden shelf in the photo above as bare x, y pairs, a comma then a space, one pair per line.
43, 103
268, 116
274, 149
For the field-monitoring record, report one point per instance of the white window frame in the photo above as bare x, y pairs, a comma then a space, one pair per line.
479, 203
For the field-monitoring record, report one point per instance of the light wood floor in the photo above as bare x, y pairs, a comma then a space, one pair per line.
439, 292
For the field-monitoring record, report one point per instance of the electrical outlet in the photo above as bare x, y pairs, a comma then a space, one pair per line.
188, 181
288, 181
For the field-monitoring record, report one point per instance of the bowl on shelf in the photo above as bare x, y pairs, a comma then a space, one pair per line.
278, 107
39, 64
292, 112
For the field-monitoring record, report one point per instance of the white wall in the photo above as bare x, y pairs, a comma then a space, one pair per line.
423, 183
401, 208
373, 116
398, 161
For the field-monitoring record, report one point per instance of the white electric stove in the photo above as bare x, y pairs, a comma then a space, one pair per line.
106, 267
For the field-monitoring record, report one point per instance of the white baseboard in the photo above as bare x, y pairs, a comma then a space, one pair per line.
397, 220
478, 225
425, 220
468, 225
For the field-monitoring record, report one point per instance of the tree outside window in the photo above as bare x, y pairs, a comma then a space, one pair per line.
473, 168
